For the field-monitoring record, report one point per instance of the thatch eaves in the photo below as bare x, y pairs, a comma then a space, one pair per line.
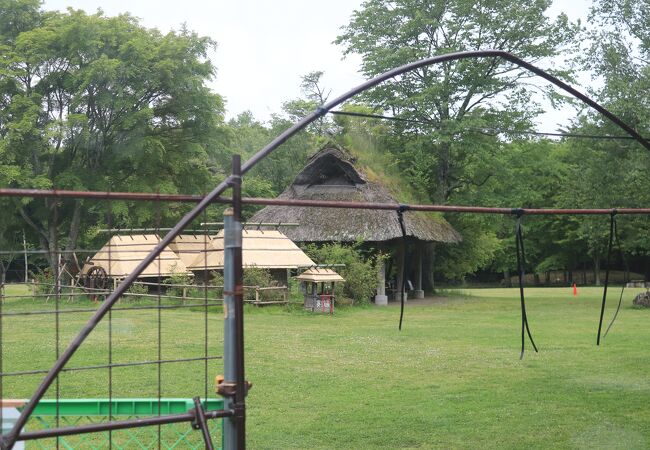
122, 254
331, 175
268, 249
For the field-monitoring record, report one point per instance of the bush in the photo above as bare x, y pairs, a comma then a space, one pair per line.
136, 290
180, 279
216, 279
360, 272
255, 276
44, 282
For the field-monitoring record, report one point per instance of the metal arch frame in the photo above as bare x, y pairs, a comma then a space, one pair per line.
233, 181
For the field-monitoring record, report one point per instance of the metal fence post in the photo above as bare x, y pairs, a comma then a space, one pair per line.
234, 427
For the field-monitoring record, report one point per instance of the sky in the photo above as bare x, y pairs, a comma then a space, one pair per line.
264, 47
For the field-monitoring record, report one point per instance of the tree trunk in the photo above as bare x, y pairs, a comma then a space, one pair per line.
506, 278
442, 190
429, 268
400, 257
596, 270
73, 235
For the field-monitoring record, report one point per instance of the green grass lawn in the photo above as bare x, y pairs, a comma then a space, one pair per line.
451, 378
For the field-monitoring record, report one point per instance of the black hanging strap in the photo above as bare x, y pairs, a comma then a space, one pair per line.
521, 263
627, 270
612, 226
400, 219
613, 236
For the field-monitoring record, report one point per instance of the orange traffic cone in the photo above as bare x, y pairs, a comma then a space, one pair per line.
575, 290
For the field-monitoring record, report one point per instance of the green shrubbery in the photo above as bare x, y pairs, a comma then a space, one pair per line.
360, 271
137, 290
176, 283
255, 276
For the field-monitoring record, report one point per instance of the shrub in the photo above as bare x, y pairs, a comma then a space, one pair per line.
216, 279
44, 282
255, 276
360, 272
136, 290
180, 279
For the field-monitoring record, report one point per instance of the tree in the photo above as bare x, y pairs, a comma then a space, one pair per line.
453, 96
275, 172
102, 103
613, 173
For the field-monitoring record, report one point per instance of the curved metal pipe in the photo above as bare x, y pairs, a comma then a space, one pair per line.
9, 439
298, 126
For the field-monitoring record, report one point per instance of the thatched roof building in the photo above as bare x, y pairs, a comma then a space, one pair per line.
263, 249
331, 175
320, 275
189, 247
121, 254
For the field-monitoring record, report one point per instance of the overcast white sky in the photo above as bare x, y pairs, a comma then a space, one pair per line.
265, 46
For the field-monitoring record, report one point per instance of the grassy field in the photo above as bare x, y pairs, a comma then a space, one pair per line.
451, 378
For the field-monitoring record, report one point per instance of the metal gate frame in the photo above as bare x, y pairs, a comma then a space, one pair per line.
234, 387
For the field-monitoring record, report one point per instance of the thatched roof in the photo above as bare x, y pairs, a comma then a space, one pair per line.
121, 254
331, 175
319, 275
264, 249
189, 246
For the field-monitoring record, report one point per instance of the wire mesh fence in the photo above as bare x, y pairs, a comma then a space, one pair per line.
162, 339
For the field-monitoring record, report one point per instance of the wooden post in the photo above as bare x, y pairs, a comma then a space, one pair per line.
419, 261
34, 287
184, 294
257, 295
400, 256
381, 298
25, 250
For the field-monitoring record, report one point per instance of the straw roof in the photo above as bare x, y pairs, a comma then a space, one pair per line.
121, 254
331, 175
264, 249
189, 246
319, 275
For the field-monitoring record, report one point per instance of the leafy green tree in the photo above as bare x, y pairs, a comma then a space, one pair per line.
453, 96
98, 103
613, 173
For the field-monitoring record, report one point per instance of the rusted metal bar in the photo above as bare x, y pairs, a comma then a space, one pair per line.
119, 425
329, 204
438, 208
102, 195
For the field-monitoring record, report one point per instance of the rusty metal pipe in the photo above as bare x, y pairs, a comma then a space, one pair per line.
143, 196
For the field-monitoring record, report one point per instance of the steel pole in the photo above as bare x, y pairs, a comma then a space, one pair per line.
234, 427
